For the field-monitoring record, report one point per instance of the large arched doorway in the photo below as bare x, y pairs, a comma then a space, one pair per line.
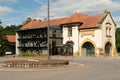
108, 48
88, 49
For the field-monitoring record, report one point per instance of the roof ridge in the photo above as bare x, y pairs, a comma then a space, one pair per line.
87, 20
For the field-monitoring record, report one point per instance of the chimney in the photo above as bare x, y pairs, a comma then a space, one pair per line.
76, 11
40, 20
45, 19
34, 20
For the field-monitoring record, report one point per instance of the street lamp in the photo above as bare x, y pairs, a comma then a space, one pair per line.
48, 48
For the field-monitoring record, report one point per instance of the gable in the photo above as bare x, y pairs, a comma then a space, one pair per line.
107, 19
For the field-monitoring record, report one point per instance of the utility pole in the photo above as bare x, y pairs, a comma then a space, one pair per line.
48, 47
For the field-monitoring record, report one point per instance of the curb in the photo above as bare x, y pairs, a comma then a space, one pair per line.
66, 67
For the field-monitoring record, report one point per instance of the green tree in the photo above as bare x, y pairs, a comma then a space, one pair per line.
11, 30
3, 41
0, 22
8, 30
28, 19
118, 39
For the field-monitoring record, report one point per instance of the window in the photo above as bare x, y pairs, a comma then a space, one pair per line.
54, 33
108, 31
53, 43
69, 31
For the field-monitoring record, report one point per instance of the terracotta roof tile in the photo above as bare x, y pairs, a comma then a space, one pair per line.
92, 21
32, 24
40, 24
11, 38
88, 21
76, 17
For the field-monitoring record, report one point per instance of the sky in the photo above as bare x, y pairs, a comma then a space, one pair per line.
14, 12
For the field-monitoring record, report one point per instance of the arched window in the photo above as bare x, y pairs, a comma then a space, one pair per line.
88, 49
108, 29
107, 48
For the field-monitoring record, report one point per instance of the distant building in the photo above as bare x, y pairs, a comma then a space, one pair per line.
12, 41
79, 35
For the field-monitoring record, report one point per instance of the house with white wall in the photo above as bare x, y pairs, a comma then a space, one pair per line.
90, 35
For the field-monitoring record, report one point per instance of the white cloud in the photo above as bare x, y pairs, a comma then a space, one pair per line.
7, 2
41, 2
61, 8
5, 10
38, 1
66, 7
4, 1
117, 20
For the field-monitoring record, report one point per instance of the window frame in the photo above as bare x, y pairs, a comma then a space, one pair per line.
70, 32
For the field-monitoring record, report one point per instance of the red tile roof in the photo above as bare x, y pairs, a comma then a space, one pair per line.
11, 38
86, 20
40, 24
76, 17
92, 21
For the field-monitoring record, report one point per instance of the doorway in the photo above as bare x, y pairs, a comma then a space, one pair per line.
108, 48
88, 49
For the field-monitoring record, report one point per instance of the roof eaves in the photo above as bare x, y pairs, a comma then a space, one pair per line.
71, 23
88, 28
31, 28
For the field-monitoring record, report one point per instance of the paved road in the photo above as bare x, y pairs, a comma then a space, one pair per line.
95, 69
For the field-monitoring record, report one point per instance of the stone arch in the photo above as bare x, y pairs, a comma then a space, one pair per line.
87, 41
70, 41
108, 48
67, 48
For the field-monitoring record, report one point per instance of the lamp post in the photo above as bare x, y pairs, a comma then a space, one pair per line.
48, 47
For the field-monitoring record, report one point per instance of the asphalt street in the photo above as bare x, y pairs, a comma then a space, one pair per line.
94, 69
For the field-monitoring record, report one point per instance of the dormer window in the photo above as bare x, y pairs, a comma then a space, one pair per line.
69, 31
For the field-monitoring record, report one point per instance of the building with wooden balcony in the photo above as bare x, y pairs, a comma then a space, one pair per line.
79, 35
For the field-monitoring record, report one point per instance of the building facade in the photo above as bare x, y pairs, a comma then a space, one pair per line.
78, 35
11, 44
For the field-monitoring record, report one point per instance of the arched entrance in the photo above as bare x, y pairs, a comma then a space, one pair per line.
69, 48
88, 49
108, 48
